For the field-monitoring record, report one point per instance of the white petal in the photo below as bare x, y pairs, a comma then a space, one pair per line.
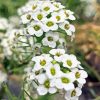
41, 78
69, 86
78, 91
72, 28
81, 81
83, 74
52, 90
71, 17
42, 90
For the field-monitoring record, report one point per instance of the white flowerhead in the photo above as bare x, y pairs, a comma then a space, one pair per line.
50, 39
69, 15
58, 6
35, 29
58, 17
80, 76
57, 54
65, 81
70, 61
73, 94
53, 75
41, 61
45, 86
53, 71
39, 16
47, 7
49, 25
69, 29
26, 18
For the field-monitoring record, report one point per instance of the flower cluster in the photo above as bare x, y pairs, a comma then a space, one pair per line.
40, 17
57, 71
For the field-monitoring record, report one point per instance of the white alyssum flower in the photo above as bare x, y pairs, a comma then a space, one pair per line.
44, 86
26, 18
49, 25
65, 81
70, 61
58, 6
41, 61
69, 15
35, 29
58, 17
53, 71
39, 16
80, 75
70, 29
47, 7
73, 94
50, 39
57, 54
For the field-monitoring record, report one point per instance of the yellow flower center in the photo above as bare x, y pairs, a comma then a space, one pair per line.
40, 16
56, 5
53, 72
69, 63
34, 7
37, 72
50, 23
77, 75
42, 62
47, 84
50, 38
67, 15
58, 18
28, 17
73, 93
66, 26
36, 27
65, 80
58, 54
47, 8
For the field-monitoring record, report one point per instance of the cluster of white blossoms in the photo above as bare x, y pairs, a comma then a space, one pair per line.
48, 23
41, 17
57, 71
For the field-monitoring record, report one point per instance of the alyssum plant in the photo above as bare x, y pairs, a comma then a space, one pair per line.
46, 24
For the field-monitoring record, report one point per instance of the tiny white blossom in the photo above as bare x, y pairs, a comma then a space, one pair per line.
49, 25
65, 81
70, 61
26, 18
58, 6
73, 94
41, 61
53, 71
45, 88
39, 16
69, 29
35, 29
58, 17
57, 54
80, 75
47, 7
69, 15
50, 39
